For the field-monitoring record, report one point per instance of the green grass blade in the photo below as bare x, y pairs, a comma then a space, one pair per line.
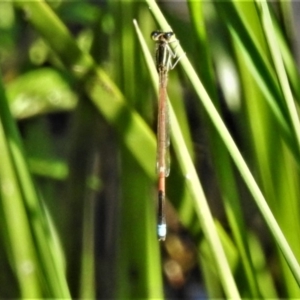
102, 91
269, 148
14, 222
236, 17
279, 68
39, 92
221, 159
139, 248
47, 255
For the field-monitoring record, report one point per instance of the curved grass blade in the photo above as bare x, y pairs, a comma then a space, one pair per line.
45, 255
274, 49
221, 158
39, 92
235, 18
15, 224
101, 90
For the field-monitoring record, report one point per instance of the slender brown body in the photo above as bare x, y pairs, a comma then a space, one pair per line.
163, 65
162, 153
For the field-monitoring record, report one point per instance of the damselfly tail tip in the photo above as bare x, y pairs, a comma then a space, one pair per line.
161, 232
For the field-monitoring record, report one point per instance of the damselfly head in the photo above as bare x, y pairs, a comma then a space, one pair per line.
158, 36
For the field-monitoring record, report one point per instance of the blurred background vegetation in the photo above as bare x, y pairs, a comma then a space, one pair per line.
77, 151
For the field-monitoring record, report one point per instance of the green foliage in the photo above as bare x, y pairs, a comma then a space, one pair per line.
77, 206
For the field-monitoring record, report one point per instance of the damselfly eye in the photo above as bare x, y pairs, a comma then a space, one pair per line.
155, 34
168, 35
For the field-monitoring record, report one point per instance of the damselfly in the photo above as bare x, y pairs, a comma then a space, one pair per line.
164, 57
